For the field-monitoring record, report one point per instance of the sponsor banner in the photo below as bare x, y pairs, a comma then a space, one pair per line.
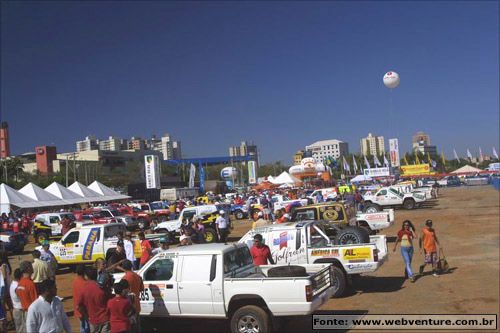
152, 170
394, 152
192, 173
417, 169
88, 247
357, 253
325, 253
202, 180
376, 172
252, 176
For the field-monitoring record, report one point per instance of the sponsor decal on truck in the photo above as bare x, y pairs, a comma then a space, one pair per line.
88, 247
357, 253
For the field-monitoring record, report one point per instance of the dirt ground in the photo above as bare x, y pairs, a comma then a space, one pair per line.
466, 220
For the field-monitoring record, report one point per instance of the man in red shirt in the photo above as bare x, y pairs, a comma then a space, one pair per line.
120, 308
261, 253
136, 285
146, 249
93, 302
26, 289
79, 284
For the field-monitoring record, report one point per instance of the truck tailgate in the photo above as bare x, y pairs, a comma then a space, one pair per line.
381, 243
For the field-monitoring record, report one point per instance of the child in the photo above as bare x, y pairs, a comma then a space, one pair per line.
120, 308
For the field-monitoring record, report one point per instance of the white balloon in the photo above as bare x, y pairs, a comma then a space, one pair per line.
391, 80
229, 173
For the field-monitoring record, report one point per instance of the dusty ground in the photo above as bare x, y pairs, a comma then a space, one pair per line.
467, 223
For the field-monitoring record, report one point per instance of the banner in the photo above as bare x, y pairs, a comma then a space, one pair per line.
417, 169
394, 152
376, 172
192, 174
152, 170
202, 180
88, 246
252, 176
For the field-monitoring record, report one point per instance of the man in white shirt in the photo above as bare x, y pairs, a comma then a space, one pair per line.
129, 247
17, 312
221, 225
46, 314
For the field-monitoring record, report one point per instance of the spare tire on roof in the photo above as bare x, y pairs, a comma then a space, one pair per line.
287, 271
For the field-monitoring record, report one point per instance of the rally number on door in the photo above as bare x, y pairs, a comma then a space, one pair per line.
144, 295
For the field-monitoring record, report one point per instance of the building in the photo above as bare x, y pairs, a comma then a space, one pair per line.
322, 149
45, 157
245, 148
297, 157
4, 140
136, 144
421, 143
372, 145
90, 143
111, 144
176, 150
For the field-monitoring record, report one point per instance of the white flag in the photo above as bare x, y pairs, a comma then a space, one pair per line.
354, 165
495, 153
455, 155
192, 173
386, 162
469, 155
346, 165
480, 155
366, 162
376, 161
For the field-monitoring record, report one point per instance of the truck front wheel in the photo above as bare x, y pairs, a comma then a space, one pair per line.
339, 282
250, 318
409, 204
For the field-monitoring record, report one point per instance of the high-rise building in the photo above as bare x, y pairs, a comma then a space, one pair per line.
176, 150
111, 144
45, 157
90, 143
322, 149
372, 145
136, 144
4, 140
297, 157
421, 142
245, 148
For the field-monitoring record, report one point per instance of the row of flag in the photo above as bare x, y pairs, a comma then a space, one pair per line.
333, 164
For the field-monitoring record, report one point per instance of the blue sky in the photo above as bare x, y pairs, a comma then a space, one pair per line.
281, 74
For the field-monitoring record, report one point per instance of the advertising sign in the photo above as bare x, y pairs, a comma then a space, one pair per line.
202, 180
152, 170
376, 172
417, 169
88, 247
394, 152
362, 253
252, 175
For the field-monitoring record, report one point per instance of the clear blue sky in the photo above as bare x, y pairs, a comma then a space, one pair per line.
281, 74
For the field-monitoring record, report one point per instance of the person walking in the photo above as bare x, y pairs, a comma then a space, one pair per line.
93, 302
26, 290
17, 315
136, 286
430, 244
405, 237
221, 225
40, 270
79, 284
46, 314
120, 309
261, 253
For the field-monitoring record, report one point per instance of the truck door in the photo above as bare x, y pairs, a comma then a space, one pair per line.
90, 244
160, 297
195, 285
382, 197
69, 249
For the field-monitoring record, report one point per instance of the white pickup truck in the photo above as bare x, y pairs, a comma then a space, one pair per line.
279, 202
220, 281
391, 197
374, 222
310, 242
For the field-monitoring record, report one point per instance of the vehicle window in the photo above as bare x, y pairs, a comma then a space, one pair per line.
155, 205
54, 219
72, 237
144, 207
395, 192
237, 258
382, 192
113, 230
160, 270
188, 214
116, 213
304, 215
317, 240
40, 219
203, 264
105, 213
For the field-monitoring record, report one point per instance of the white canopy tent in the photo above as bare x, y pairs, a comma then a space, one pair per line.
106, 191
284, 178
41, 196
467, 169
10, 197
63, 193
88, 194
361, 178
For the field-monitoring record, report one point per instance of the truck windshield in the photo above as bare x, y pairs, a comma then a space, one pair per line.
237, 258
156, 205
